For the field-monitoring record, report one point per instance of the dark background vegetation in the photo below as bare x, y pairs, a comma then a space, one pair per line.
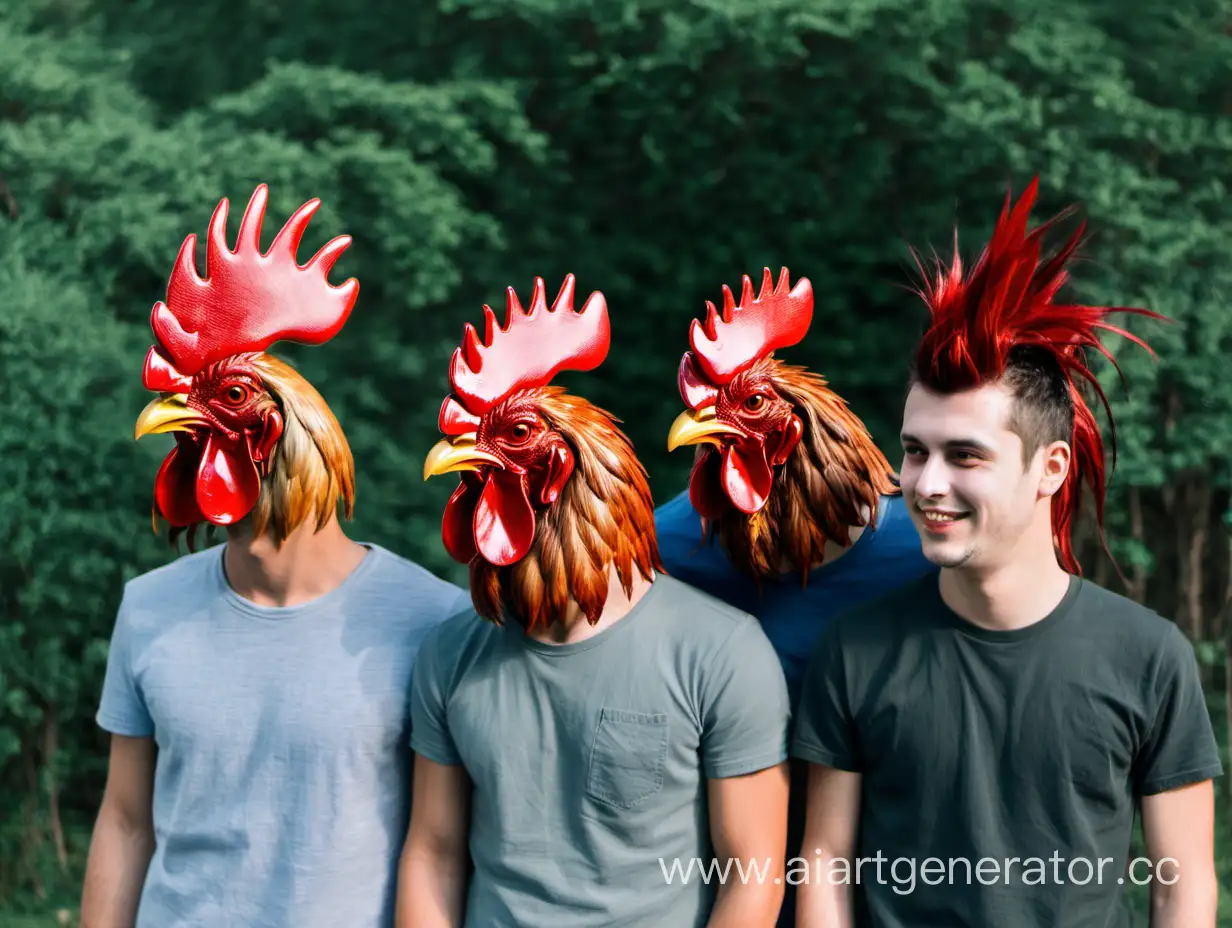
655, 149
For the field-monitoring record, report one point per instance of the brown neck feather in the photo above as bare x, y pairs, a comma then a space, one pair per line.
603, 518
819, 494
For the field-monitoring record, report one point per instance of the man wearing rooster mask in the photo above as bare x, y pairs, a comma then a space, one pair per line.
982, 739
256, 692
791, 513
592, 730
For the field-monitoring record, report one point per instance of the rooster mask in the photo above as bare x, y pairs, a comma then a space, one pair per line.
733, 405
512, 460
219, 392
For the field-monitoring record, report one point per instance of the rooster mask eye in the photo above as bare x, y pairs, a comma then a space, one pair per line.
236, 395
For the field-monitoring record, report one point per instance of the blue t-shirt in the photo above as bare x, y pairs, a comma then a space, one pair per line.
881, 559
281, 793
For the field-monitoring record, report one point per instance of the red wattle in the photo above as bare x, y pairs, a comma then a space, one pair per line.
457, 525
705, 493
175, 486
504, 520
782, 442
227, 482
747, 477
555, 474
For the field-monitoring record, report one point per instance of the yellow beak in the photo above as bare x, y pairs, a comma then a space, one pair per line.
459, 454
168, 414
694, 427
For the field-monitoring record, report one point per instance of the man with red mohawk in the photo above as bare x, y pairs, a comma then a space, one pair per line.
983, 738
592, 730
256, 692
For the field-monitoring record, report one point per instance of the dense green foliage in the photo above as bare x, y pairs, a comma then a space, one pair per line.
657, 150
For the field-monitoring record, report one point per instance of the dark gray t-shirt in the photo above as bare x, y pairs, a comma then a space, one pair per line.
590, 759
1001, 769
281, 794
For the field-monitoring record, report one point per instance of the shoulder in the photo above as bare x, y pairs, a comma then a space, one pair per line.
679, 526
415, 584
1132, 635
709, 642
696, 617
676, 512
890, 610
869, 633
189, 581
719, 661
1102, 604
685, 548
458, 642
895, 536
186, 568
402, 598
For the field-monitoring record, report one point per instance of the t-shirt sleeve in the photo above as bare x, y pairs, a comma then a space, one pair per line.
429, 700
122, 708
825, 727
745, 712
1180, 747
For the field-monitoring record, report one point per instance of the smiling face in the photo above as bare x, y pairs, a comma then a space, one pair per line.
977, 501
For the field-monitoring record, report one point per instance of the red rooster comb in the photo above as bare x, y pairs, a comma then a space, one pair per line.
727, 343
1005, 302
247, 300
533, 346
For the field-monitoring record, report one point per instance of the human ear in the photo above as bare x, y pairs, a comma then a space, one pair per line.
1057, 458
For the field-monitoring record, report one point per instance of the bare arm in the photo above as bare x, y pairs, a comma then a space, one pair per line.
123, 837
1179, 827
748, 827
824, 899
433, 871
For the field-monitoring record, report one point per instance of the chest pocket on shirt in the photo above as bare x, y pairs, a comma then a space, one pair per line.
628, 757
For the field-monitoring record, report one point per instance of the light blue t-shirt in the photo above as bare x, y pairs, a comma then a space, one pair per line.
281, 795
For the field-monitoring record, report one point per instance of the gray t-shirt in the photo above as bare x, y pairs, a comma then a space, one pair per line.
590, 759
1001, 769
281, 793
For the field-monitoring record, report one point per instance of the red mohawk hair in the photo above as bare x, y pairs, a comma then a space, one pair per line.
1004, 303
